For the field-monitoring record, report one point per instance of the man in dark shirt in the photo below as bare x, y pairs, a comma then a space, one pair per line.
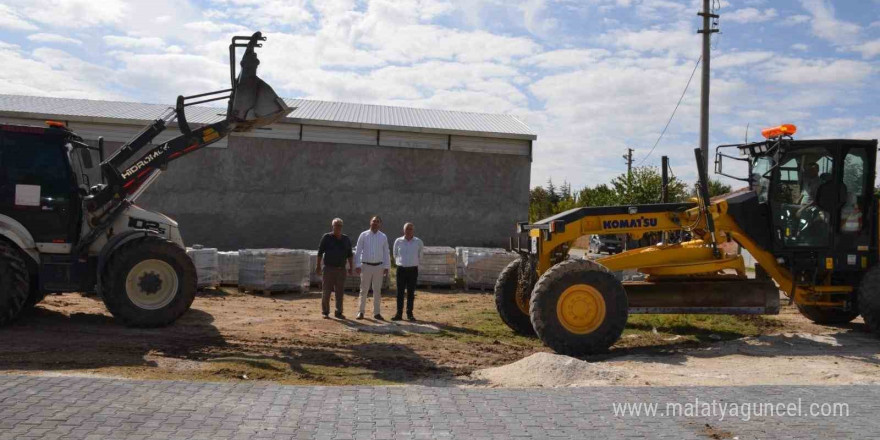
334, 251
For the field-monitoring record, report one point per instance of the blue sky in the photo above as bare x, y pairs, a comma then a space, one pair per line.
591, 77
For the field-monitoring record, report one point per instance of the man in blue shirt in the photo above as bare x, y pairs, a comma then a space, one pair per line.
334, 251
407, 256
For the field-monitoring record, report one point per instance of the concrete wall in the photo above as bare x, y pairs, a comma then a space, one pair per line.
279, 193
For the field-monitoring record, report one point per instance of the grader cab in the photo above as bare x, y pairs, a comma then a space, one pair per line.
808, 217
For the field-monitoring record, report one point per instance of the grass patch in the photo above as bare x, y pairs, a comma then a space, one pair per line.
485, 326
643, 330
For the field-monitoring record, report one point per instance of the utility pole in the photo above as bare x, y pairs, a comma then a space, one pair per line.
628, 157
707, 32
664, 189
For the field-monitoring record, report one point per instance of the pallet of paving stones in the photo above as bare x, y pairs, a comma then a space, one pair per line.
270, 271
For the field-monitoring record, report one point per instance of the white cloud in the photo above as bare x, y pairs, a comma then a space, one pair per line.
800, 46
268, 12
160, 78
827, 27
566, 58
534, 16
751, 15
738, 59
795, 19
868, 49
51, 72
53, 38
679, 40
10, 19
805, 71
72, 13
216, 27
138, 43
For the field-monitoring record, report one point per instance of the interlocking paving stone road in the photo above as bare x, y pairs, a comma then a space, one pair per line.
91, 408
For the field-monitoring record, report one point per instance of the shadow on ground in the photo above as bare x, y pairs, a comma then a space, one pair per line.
44, 339
852, 341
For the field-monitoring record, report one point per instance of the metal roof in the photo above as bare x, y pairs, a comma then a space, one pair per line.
306, 112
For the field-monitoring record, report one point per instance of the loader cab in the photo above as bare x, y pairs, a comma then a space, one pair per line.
38, 186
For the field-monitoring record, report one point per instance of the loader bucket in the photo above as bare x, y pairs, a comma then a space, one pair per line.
254, 103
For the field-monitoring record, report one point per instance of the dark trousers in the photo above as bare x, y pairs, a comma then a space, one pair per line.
406, 283
333, 280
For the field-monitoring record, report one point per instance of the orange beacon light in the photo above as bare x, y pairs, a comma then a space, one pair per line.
782, 130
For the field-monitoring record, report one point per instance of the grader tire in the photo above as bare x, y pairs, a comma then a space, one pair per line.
14, 283
506, 301
869, 299
578, 308
828, 315
149, 282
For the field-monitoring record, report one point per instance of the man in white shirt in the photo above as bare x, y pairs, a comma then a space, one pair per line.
372, 261
407, 256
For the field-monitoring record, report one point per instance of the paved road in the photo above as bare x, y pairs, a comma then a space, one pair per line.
89, 408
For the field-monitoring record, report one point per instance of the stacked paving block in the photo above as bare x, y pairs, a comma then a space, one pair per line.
481, 267
228, 267
273, 270
437, 267
207, 266
314, 278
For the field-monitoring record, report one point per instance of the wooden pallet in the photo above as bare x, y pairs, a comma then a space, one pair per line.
263, 292
480, 288
446, 286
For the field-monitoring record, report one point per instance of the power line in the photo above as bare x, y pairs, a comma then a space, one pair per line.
673, 111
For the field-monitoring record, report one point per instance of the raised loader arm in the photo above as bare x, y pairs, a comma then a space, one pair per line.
129, 171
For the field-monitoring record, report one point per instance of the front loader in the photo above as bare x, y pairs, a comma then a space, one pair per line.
808, 217
59, 233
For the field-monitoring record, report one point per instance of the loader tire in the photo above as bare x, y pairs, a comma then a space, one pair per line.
148, 282
513, 305
869, 299
14, 282
36, 295
578, 308
828, 315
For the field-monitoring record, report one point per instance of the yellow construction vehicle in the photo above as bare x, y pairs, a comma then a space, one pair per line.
808, 217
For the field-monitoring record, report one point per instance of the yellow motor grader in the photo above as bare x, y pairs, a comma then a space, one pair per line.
808, 217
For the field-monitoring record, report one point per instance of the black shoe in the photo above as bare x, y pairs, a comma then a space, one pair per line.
359, 316
396, 317
338, 315
325, 315
410, 317
378, 317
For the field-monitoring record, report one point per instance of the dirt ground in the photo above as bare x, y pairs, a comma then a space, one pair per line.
232, 336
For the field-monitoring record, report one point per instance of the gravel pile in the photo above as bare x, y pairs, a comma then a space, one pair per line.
550, 371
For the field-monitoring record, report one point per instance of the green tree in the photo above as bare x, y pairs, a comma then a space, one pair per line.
717, 188
599, 195
552, 192
539, 204
644, 187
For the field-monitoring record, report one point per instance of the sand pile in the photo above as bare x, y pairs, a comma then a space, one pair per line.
550, 370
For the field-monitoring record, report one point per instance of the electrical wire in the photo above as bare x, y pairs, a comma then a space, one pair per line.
673, 111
